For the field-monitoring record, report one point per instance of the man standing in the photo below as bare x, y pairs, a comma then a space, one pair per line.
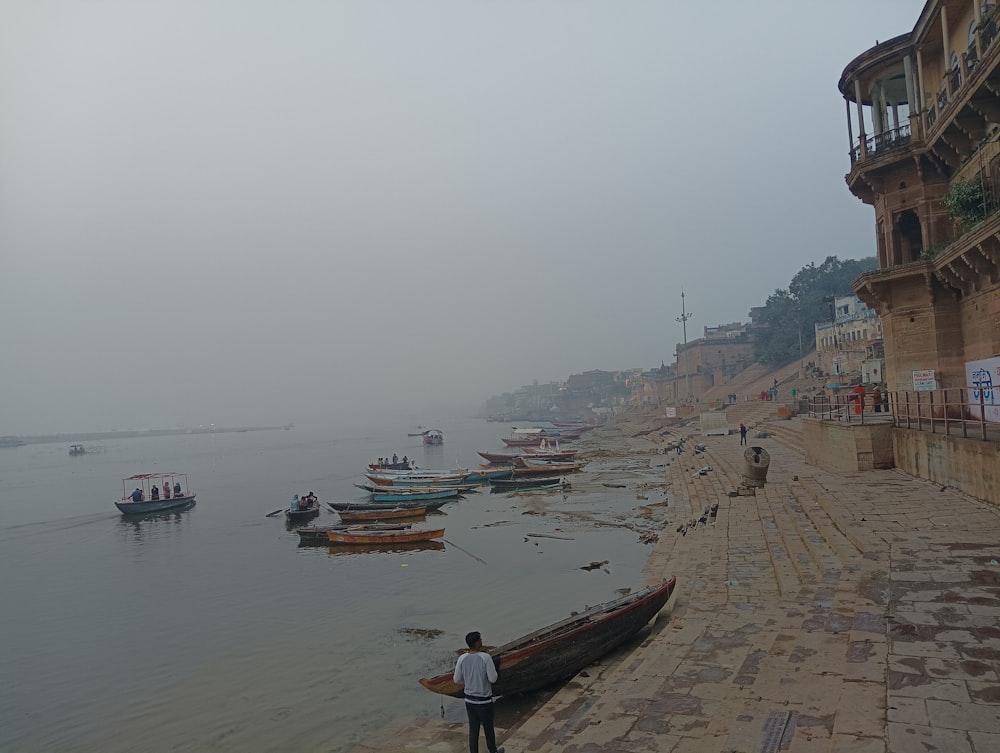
743, 434
476, 673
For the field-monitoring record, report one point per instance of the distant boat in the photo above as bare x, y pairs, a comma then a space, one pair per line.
559, 651
433, 437
172, 492
77, 449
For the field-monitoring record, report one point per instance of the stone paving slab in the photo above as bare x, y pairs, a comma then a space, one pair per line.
864, 609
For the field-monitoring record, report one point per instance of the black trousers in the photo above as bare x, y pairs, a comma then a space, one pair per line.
481, 714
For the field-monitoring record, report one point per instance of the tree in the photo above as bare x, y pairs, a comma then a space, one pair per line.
787, 313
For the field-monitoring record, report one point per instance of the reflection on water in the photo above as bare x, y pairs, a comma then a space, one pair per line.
153, 523
335, 550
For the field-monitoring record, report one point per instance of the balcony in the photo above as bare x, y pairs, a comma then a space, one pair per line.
881, 143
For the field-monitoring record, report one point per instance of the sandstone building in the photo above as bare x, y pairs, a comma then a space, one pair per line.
923, 117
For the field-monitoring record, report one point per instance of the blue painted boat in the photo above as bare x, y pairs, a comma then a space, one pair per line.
405, 496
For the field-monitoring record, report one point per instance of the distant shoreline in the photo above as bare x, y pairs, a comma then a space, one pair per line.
94, 435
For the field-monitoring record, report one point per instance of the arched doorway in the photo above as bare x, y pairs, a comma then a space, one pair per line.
910, 242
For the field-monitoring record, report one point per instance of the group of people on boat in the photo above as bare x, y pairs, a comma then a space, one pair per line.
304, 502
154, 494
394, 461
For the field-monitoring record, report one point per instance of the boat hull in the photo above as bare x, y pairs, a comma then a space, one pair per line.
414, 496
153, 505
298, 515
431, 504
396, 513
384, 537
559, 651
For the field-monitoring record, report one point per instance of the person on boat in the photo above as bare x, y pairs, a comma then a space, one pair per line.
177, 489
137, 495
154, 493
395, 458
295, 503
166, 491
475, 673
405, 460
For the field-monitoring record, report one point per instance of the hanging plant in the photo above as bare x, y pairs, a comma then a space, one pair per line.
964, 202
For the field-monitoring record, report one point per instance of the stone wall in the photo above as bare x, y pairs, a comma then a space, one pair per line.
847, 448
971, 465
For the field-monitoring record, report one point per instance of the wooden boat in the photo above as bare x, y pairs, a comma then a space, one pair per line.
559, 651
400, 466
551, 465
421, 494
549, 470
548, 452
499, 458
488, 474
394, 513
520, 441
431, 504
309, 510
433, 437
527, 483
77, 449
352, 536
318, 534
176, 493
393, 480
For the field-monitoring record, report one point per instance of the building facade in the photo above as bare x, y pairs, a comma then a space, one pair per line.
923, 121
845, 345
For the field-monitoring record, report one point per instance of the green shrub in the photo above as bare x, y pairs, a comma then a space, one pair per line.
964, 202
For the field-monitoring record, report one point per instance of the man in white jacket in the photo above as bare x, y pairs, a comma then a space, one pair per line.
476, 673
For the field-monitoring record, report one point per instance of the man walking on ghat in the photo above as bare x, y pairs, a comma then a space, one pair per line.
475, 673
743, 434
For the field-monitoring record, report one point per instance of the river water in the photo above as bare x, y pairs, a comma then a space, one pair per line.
212, 629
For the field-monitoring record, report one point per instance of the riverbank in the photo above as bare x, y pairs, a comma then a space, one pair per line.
827, 613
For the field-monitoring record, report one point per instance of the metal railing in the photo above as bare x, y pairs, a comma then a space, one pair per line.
849, 408
967, 413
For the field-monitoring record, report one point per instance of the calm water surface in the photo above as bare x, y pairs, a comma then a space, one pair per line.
211, 629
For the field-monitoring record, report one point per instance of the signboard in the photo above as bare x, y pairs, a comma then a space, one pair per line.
924, 381
983, 381
671, 412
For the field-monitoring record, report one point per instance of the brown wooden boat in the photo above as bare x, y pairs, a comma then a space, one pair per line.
559, 651
395, 513
318, 534
351, 536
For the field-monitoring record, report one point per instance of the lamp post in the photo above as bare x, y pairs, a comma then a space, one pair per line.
683, 320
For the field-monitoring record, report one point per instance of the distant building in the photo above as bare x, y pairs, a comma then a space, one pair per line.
844, 344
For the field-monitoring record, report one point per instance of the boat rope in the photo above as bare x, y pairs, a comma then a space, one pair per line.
464, 550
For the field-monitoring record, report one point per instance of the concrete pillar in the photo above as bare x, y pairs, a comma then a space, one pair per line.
920, 81
850, 128
944, 37
895, 114
978, 10
863, 150
911, 100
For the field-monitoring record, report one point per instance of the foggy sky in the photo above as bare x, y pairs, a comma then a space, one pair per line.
262, 212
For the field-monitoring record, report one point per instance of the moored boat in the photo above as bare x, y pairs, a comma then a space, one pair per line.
499, 458
394, 513
423, 494
148, 495
559, 651
352, 536
431, 504
318, 534
77, 449
528, 483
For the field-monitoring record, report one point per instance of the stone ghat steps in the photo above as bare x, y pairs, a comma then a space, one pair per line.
789, 433
766, 590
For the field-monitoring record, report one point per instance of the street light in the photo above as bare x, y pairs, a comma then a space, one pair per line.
683, 320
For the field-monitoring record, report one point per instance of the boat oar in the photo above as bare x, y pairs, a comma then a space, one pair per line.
272, 514
463, 550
